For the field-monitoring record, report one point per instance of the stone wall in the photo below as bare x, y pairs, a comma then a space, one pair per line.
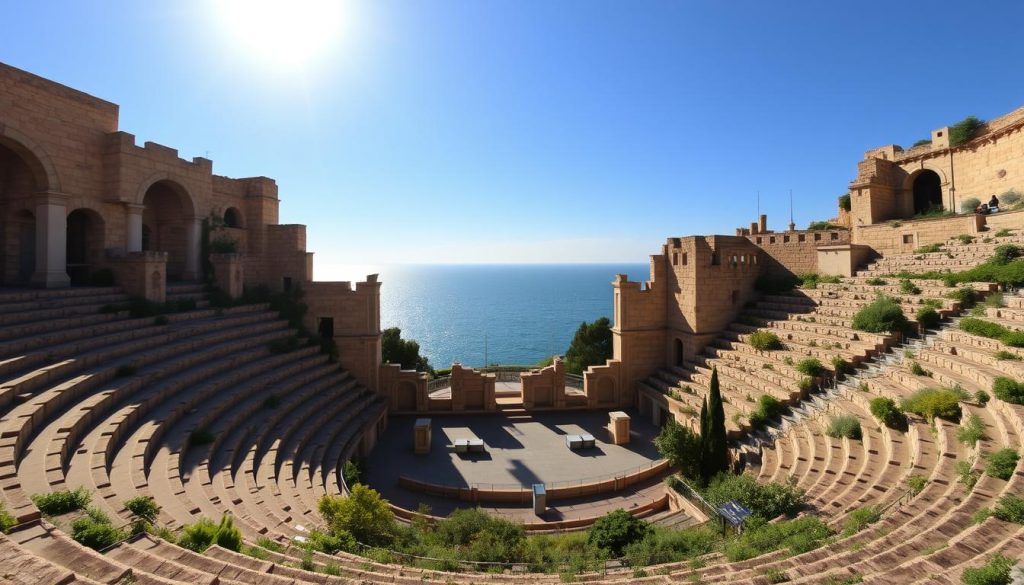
903, 237
795, 252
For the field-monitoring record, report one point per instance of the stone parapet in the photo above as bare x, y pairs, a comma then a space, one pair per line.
141, 274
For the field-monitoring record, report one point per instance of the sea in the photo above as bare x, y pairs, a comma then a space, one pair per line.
479, 314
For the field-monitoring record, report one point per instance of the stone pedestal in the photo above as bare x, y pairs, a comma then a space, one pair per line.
229, 274
421, 436
619, 427
141, 274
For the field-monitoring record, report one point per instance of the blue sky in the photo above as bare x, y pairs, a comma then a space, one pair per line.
530, 131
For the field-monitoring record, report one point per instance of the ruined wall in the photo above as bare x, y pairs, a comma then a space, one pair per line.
354, 316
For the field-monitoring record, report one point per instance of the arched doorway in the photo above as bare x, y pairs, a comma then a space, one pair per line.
165, 225
18, 184
85, 243
927, 191
678, 352
232, 218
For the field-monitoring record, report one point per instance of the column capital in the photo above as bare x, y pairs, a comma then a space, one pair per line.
51, 198
134, 208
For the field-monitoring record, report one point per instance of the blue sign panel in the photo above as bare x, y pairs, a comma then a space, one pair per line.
734, 513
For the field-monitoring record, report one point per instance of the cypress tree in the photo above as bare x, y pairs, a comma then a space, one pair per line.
715, 451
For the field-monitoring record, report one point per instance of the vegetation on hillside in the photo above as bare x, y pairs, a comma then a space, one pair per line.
882, 315
964, 130
714, 447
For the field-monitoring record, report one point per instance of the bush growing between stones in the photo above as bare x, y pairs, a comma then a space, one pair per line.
1005, 253
982, 397
964, 296
845, 203
908, 287
663, 545
62, 502
1008, 390
7, 521
810, 367
888, 412
966, 474
935, 402
917, 370
765, 341
964, 130
1010, 509
841, 366
767, 408
1006, 355
799, 536
681, 446
203, 533
929, 249
876, 281
965, 239
844, 426
364, 514
969, 205
916, 483
882, 315
928, 318
1002, 463
95, 531
971, 431
860, 518
995, 571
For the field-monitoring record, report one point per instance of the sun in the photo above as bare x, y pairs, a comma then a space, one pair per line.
285, 33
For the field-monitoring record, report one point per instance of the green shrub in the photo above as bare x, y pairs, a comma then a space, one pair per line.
1002, 463
880, 316
364, 514
7, 521
840, 366
964, 130
352, 472
199, 535
1008, 390
934, 402
776, 575
681, 446
928, 318
799, 536
917, 370
271, 545
821, 225
1010, 509
806, 384
767, 408
966, 474
908, 287
810, 367
921, 142
845, 203
223, 244
916, 483
143, 507
615, 530
1004, 232
965, 239
62, 502
969, 205
971, 431
227, 536
662, 545
1005, 253
876, 281
929, 249
982, 397
95, 531
995, 571
331, 543
844, 426
766, 501
813, 279
888, 412
765, 341
964, 296
1006, 355
858, 519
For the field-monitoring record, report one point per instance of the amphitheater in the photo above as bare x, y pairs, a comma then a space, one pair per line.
124, 372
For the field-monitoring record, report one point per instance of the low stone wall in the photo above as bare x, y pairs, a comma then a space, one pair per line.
524, 494
1005, 220
903, 237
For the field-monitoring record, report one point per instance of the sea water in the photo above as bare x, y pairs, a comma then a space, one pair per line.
496, 314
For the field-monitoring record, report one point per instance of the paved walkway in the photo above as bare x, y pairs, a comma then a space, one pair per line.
521, 450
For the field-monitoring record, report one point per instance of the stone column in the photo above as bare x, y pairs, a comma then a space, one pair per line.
134, 226
193, 235
51, 241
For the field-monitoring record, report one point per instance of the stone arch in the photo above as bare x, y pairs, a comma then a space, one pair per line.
912, 205
44, 173
86, 240
926, 191
677, 352
167, 219
188, 201
233, 218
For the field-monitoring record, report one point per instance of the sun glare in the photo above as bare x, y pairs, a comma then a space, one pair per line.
282, 32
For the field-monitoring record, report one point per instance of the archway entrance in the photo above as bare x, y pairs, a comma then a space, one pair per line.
164, 225
84, 245
17, 222
927, 191
678, 352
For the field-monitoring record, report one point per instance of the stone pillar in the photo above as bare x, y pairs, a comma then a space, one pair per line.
134, 213
51, 241
141, 274
193, 235
619, 427
228, 273
421, 436
762, 224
